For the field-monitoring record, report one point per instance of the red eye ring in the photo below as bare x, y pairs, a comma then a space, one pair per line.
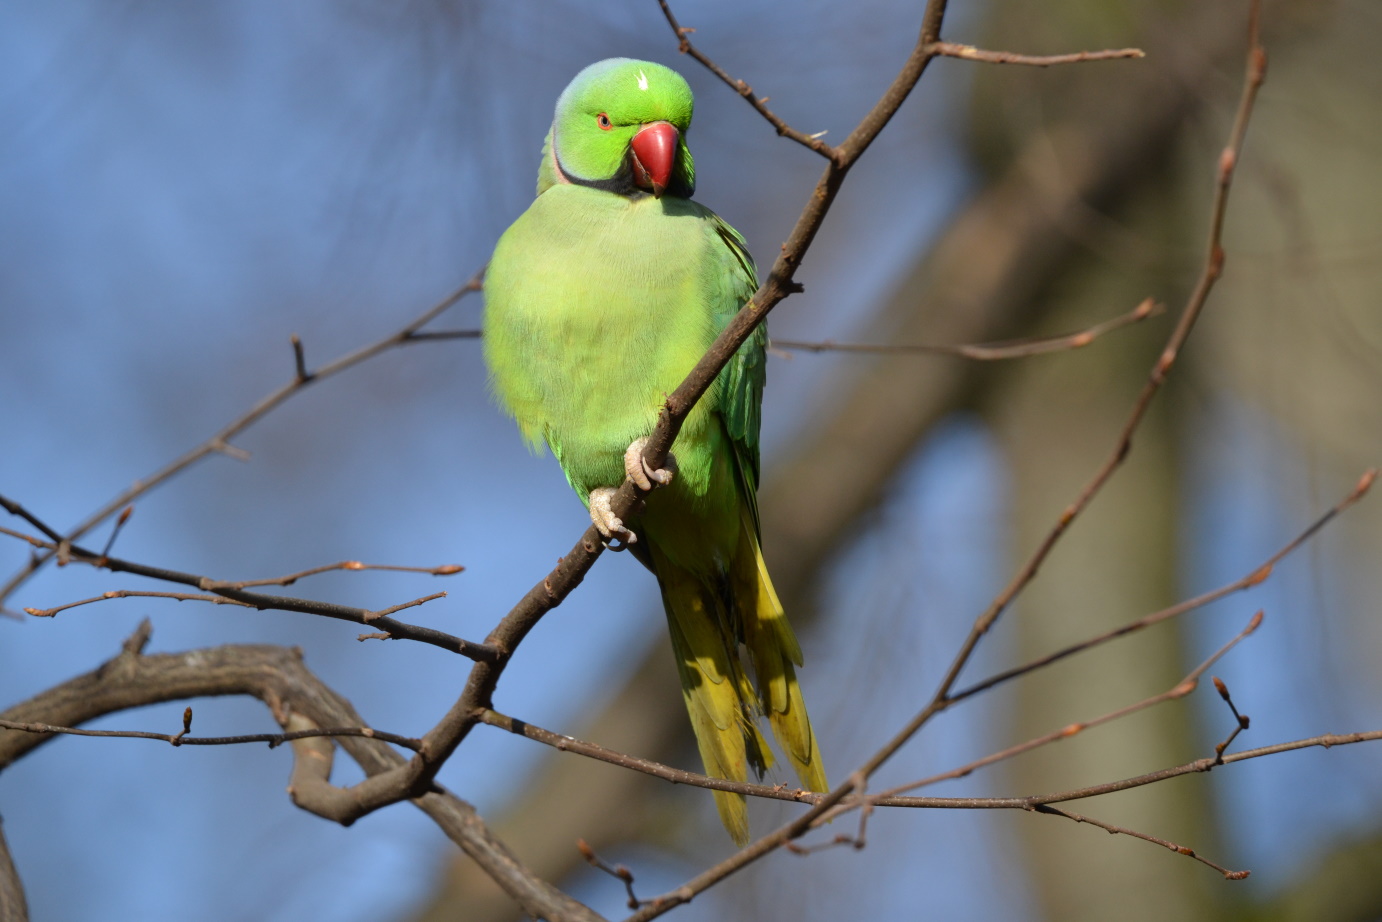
603, 121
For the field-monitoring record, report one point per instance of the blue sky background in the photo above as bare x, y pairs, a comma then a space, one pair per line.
183, 186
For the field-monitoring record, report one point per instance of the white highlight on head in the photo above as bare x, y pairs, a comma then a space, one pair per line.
642, 79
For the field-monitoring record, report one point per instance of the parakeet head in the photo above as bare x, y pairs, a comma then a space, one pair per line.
620, 125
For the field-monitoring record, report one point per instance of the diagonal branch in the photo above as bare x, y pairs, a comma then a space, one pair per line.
1182, 688
477, 695
812, 141
1213, 268
1125, 831
1254, 578
932, 18
220, 443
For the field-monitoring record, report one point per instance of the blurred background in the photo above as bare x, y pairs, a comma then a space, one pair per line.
183, 186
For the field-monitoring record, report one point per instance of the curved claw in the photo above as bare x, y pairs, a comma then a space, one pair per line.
609, 524
643, 476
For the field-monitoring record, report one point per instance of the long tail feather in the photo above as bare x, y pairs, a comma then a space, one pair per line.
718, 695
775, 653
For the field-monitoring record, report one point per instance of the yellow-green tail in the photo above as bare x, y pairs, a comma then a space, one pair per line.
775, 654
707, 623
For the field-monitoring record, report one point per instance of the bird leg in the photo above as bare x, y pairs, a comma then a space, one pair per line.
609, 524
643, 476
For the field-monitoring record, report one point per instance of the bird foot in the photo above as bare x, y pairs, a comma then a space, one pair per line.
643, 476
609, 524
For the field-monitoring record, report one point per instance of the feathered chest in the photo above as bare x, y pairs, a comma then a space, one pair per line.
597, 304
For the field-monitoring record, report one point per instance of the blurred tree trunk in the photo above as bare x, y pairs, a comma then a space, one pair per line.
1279, 335
1296, 344
1057, 420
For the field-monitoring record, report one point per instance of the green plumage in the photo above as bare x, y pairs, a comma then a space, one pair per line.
599, 299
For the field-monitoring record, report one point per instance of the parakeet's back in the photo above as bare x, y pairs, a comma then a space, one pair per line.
600, 299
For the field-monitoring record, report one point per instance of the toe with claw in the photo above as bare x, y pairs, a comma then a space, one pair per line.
643, 476
609, 524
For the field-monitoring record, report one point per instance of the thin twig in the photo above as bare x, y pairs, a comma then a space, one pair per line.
136, 594
986, 352
1125, 831
783, 792
617, 871
812, 141
181, 739
383, 612
1181, 689
398, 629
970, 53
439, 335
804, 850
300, 360
220, 442
352, 565
1241, 720
1253, 578
30, 539
115, 530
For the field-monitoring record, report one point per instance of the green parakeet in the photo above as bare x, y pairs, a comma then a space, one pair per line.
599, 300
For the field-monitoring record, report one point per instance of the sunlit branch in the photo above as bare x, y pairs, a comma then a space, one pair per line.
970, 53
985, 352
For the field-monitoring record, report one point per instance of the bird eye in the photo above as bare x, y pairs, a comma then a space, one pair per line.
603, 121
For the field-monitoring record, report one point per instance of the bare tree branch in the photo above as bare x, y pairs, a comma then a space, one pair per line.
986, 352
1254, 578
932, 18
397, 629
1213, 267
1123, 830
449, 569
970, 53
812, 141
796, 795
134, 594
299, 701
1182, 688
181, 739
220, 442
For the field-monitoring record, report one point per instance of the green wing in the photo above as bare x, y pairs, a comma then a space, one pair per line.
741, 381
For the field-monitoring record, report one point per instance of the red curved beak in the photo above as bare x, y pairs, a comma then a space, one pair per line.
654, 151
